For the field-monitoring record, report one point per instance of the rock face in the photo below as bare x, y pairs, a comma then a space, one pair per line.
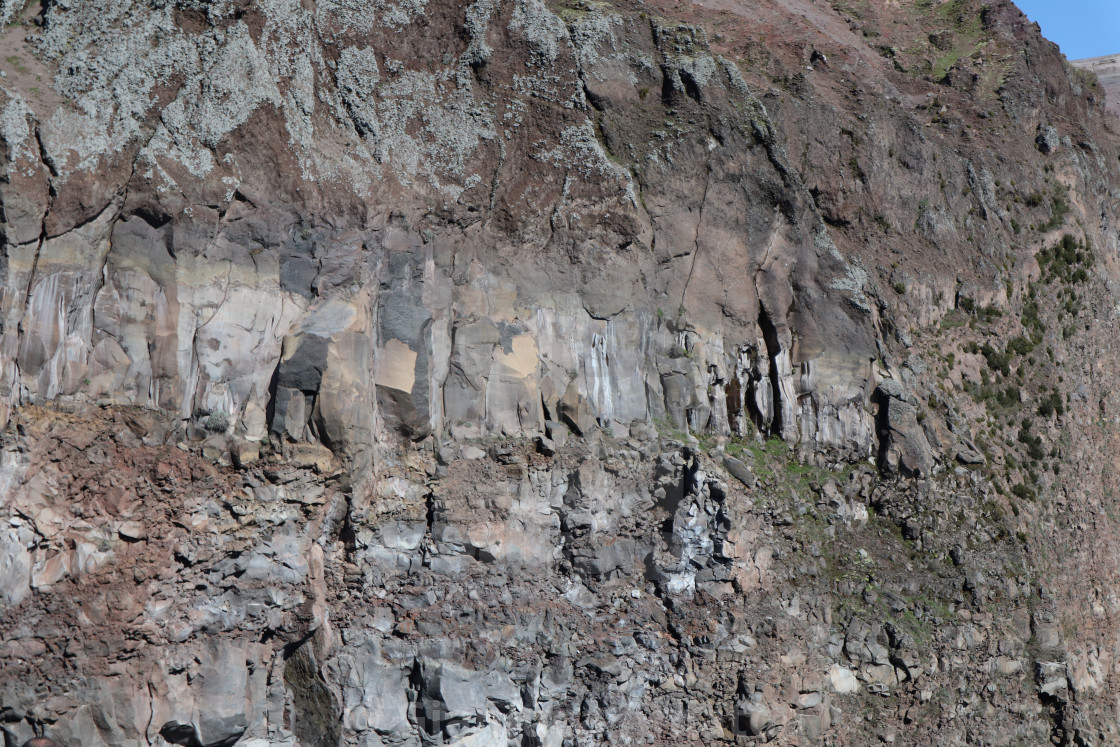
195, 283
1107, 70
502, 372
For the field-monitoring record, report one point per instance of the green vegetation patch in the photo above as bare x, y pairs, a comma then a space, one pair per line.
1067, 261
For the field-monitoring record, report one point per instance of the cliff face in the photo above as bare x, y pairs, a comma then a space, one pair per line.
1107, 70
513, 373
239, 260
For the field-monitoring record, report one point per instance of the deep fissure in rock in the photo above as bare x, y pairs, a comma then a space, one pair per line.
773, 348
315, 718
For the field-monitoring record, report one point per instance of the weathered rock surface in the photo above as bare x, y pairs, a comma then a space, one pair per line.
518, 597
204, 286
1107, 70
504, 372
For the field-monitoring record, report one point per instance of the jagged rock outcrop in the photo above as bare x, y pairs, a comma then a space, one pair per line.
1107, 71
903, 444
508, 372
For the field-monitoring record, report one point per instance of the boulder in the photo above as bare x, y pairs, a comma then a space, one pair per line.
903, 447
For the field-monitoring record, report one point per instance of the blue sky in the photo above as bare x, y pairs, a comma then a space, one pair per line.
1082, 28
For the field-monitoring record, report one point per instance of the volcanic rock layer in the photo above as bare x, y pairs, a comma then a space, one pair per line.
511, 372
